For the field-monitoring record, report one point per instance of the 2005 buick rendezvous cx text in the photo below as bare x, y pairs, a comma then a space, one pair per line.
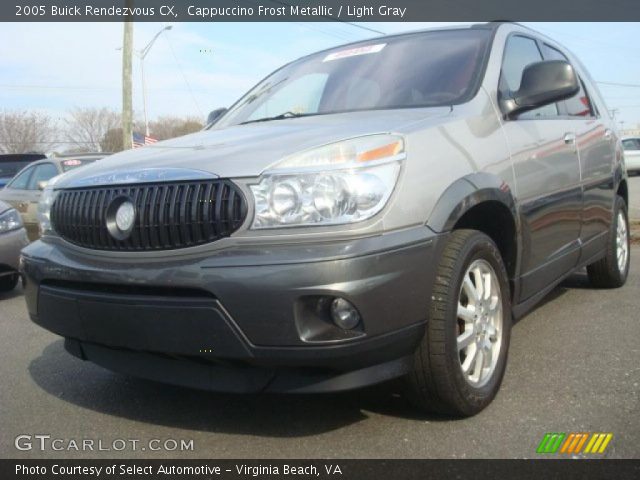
374, 211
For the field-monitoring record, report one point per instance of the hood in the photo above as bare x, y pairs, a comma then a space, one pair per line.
242, 150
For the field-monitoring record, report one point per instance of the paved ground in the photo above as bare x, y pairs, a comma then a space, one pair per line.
634, 197
574, 366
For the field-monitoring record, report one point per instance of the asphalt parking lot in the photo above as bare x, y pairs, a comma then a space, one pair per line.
574, 367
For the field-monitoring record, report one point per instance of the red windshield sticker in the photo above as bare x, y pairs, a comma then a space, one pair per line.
72, 163
353, 52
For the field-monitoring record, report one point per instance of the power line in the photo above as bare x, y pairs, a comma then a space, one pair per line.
599, 43
335, 19
334, 34
60, 87
364, 28
186, 81
616, 84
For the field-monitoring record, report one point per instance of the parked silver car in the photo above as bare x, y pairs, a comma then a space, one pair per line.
378, 210
13, 237
631, 147
24, 190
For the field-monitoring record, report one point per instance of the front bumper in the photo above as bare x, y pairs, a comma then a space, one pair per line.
241, 318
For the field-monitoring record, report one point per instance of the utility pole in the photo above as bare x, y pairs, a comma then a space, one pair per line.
127, 103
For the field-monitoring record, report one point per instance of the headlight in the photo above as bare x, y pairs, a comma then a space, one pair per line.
44, 209
344, 182
10, 220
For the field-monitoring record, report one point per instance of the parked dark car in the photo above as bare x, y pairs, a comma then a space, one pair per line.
12, 163
378, 210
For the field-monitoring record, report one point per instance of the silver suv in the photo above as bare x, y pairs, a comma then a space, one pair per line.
379, 210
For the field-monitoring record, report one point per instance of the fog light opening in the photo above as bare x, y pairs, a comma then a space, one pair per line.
344, 314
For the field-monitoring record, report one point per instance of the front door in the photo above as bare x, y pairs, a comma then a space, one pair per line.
547, 172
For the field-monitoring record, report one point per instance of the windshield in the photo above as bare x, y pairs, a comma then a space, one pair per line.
76, 162
9, 169
423, 69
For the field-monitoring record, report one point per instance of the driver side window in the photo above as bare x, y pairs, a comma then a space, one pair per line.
22, 180
519, 52
43, 173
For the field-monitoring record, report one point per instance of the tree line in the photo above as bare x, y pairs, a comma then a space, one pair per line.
83, 130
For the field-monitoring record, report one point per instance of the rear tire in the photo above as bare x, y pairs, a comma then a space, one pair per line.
8, 282
612, 270
459, 365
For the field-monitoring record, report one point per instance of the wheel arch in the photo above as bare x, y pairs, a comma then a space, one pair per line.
623, 191
483, 202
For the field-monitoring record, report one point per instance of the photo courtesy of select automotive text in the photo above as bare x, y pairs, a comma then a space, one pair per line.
363, 239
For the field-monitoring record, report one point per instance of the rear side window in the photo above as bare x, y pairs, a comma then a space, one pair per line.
43, 173
519, 52
579, 105
22, 180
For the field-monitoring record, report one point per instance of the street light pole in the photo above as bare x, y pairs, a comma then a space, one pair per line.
142, 54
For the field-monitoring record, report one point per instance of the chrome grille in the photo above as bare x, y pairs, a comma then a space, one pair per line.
168, 215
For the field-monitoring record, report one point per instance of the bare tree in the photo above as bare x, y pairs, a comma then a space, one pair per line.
87, 127
24, 132
170, 127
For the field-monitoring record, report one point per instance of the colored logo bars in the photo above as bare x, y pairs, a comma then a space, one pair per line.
574, 443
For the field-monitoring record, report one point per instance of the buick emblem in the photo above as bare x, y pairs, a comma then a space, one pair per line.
125, 216
121, 217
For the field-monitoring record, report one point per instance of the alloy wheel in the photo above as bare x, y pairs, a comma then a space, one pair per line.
480, 319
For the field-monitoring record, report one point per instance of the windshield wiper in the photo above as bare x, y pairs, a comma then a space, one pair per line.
281, 116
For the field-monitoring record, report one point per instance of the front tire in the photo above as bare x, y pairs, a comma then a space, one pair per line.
459, 365
8, 282
612, 270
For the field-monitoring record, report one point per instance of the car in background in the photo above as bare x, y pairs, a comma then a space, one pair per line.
12, 163
13, 238
631, 146
24, 190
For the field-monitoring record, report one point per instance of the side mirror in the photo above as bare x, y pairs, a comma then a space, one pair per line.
215, 115
42, 184
542, 83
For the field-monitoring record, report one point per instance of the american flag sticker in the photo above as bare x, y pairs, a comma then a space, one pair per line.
354, 52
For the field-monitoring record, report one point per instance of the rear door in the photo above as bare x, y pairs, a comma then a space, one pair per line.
596, 148
547, 173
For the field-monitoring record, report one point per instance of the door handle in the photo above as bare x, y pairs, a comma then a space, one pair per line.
570, 138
